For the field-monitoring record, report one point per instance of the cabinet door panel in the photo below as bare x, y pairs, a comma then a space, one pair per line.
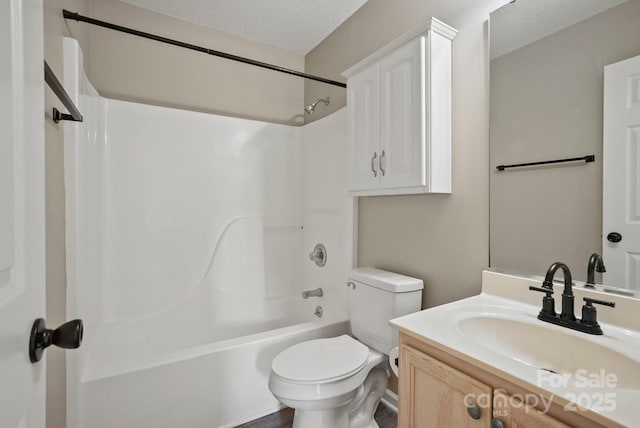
364, 140
402, 123
517, 414
433, 394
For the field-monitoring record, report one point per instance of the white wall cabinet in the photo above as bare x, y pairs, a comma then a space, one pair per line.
399, 115
362, 126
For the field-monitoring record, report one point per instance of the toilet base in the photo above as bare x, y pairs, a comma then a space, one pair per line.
368, 398
337, 417
352, 410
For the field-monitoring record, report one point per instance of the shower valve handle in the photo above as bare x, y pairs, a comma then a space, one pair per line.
319, 255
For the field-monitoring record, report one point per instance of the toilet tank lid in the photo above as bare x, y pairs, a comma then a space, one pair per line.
385, 280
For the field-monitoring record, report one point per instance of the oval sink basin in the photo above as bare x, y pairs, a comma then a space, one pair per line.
553, 349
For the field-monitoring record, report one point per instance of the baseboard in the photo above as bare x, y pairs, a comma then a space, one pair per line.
390, 399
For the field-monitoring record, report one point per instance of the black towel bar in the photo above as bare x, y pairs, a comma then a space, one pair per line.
62, 95
587, 159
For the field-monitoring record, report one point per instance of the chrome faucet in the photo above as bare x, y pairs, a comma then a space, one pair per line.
312, 293
596, 264
567, 318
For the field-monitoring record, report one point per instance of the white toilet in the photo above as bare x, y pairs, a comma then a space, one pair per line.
338, 382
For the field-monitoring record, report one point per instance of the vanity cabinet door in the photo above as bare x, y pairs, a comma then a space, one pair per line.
514, 413
433, 394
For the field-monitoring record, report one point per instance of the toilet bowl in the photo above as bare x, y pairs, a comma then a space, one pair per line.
338, 382
335, 382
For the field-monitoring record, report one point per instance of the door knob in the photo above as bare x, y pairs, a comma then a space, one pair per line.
614, 237
68, 336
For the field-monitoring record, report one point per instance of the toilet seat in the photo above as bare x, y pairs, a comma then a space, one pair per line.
321, 360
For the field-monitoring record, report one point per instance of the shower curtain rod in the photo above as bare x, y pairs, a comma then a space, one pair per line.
80, 18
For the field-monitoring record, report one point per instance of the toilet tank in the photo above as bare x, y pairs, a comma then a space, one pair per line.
377, 296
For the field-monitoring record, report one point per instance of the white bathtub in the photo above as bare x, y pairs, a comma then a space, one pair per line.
218, 384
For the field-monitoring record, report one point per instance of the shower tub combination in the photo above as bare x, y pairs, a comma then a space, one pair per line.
188, 237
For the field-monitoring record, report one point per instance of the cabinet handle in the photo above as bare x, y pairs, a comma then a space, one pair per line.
497, 423
373, 166
474, 411
382, 155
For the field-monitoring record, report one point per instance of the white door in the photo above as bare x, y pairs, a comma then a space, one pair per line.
22, 256
621, 176
402, 118
364, 143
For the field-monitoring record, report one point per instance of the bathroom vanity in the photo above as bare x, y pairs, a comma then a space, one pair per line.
488, 361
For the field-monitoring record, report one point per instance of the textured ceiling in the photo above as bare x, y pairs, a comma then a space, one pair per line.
525, 21
295, 25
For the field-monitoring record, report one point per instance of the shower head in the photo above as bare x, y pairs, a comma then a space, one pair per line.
311, 108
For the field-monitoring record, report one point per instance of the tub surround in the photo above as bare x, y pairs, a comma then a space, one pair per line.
188, 237
496, 338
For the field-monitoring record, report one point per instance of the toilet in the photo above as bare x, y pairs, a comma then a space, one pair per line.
338, 382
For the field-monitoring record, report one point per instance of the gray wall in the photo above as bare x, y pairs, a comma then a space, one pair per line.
546, 103
443, 239
135, 69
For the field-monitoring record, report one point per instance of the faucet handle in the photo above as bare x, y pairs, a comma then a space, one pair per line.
589, 312
588, 301
548, 303
549, 291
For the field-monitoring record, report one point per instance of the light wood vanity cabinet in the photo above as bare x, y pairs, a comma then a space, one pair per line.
433, 394
399, 115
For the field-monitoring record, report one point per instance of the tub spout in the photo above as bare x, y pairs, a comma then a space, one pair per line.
312, 293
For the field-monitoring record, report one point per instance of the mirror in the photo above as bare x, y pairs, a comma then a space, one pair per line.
547, 73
